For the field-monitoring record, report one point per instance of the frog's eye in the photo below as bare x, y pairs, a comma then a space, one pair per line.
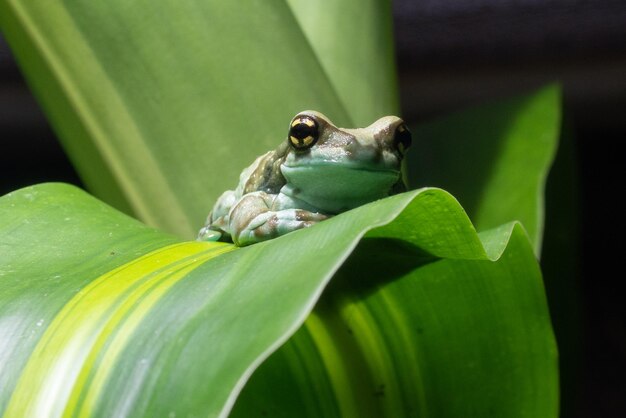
303, 132
402, 138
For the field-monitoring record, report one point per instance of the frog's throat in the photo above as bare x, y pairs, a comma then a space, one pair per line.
337, 188
339, 165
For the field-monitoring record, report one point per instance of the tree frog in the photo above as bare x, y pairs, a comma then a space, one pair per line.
319, 171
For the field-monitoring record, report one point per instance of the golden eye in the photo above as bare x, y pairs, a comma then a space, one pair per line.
402, 138
303, 132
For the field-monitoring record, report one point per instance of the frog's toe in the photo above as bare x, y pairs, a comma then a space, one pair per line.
270, 224
207, 234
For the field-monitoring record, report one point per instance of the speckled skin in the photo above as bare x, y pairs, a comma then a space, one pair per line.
289, 188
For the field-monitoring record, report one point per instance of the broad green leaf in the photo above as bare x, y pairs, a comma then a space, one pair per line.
162, 103
353, 40
424, 339
495, 159
102, 316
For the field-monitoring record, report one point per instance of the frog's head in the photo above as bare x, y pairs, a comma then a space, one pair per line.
335, 169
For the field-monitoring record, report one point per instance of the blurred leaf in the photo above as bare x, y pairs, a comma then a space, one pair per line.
495, 159
354, 44
160, 104
427, 313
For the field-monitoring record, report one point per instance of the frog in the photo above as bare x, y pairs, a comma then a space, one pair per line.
319, 171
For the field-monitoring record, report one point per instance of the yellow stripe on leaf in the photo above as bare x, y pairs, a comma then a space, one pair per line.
60, 375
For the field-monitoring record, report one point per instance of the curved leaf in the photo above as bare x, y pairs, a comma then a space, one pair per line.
139, 324
432, 339
495, 159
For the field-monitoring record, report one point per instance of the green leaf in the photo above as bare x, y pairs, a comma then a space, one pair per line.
495, 159
160, 104
431, 339
358, 58
136, 323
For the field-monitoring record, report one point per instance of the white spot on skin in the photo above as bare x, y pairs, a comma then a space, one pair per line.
40, 322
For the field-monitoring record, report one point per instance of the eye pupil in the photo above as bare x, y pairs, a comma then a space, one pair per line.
403, 137
303, 133
301, 130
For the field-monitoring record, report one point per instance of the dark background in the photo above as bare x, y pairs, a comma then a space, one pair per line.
457, 53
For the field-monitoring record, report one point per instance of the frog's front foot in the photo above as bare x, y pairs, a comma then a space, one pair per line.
252, 220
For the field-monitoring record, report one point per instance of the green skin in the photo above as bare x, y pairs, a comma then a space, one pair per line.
292, 188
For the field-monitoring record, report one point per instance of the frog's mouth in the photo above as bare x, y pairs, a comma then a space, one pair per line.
335, 188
